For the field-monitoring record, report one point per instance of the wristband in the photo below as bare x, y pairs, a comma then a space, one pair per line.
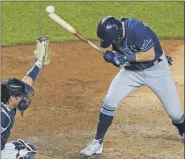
130, 57
33, 72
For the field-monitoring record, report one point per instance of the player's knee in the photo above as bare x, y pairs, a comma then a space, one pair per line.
177, 118
107, 110
110, 102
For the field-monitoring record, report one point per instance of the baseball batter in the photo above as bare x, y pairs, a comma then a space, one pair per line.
137, 51
16, 95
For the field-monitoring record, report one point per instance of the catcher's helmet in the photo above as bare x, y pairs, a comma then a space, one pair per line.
109, 30
17, 88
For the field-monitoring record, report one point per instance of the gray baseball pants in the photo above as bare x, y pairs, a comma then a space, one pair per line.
158, 78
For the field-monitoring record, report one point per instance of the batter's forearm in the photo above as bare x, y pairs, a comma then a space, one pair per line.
145, 56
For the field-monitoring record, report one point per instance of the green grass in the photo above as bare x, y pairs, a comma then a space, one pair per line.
22, 22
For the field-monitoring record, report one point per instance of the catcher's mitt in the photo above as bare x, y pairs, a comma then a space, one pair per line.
43, 50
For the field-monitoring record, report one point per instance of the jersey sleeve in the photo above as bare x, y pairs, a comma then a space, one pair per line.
143, 40
5, 120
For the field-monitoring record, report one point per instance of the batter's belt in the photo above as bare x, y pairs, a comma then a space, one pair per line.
141, 66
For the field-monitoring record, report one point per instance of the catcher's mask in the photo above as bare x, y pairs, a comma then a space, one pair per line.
109, 30
17, 88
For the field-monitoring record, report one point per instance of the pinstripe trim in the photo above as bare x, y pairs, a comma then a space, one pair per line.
146, 45
4, 129
147, 48
5, 106
109, 107
109, 113
106, 111
181, 120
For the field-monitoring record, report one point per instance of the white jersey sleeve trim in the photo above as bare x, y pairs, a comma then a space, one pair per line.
148, 44
2, 128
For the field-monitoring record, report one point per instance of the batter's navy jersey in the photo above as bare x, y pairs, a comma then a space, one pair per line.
7, 121
138, 38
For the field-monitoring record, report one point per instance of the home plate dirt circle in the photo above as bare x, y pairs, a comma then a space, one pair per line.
68, 95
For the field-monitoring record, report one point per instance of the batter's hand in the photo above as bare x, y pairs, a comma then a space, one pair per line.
42, 51
108, 56
114, 57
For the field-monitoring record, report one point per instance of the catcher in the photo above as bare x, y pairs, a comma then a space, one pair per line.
16, 95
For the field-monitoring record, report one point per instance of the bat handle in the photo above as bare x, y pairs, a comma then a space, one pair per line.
96, 47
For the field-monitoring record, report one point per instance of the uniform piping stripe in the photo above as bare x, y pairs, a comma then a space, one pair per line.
107, 109
4, 129
149, 47
181, 120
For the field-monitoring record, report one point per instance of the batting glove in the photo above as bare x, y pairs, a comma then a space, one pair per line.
110, 56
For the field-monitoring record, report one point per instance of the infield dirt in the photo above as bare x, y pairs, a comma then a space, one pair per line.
63, 116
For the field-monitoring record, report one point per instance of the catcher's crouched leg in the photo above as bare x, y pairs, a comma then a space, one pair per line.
18, 150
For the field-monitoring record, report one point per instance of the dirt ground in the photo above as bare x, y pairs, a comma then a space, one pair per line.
63, 116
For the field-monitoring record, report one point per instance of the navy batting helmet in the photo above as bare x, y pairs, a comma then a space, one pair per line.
109, 30
17, 88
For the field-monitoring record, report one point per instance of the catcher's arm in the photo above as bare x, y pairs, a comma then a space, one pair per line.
43, 57
28, 80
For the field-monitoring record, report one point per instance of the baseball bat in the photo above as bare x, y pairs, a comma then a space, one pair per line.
72, 30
